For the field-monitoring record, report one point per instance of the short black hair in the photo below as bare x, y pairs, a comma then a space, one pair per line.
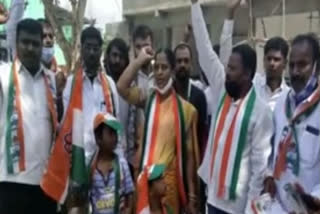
248, 57
121, 45
183, 46
169, 55
142, 31
30, 26
277, 44
45, 23
91, 32
313, 41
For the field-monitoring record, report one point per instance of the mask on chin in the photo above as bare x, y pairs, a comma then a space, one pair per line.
47, 54
165, 89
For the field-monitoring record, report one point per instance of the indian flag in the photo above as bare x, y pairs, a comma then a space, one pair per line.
79, 172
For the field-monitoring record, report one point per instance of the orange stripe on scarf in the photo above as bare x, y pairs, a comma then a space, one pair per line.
55, 179
20, 133
221, 121
154, 130
226, 154
106, 93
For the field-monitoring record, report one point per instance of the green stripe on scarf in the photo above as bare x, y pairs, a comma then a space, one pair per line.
183, 141
147, 114
241, 144
116, 168
214, 123
10, 109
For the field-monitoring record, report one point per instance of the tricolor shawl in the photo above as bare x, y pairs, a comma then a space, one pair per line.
55, 181
228, 162
14, 138
150, 134
150, 173
290, 139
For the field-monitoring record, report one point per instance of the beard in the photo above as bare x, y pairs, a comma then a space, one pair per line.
233, 89
182, 74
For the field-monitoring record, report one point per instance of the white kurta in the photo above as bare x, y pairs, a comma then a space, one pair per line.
308, 132
253, 167
93, 103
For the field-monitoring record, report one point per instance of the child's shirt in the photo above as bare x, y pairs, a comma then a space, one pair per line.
102, 192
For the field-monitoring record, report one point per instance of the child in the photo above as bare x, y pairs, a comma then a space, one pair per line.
151, 190
112, 186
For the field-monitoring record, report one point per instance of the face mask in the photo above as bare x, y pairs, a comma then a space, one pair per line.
165, 89
47, 54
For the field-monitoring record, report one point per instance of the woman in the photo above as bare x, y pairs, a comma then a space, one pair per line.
170, 128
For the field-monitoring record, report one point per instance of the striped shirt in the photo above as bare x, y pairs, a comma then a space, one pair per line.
103, 187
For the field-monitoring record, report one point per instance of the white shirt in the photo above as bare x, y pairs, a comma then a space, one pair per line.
259, 80
93, 102
265, 92
309, 150
257, 149
37, 124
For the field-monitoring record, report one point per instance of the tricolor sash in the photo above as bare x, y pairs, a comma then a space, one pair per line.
288, 150
55, 181
14, 141
150, 135
228, 163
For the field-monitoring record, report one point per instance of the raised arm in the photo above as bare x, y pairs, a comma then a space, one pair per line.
227, 31
15, 15
208, 59
134, 95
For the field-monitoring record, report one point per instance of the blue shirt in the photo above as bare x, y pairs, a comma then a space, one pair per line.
103, 188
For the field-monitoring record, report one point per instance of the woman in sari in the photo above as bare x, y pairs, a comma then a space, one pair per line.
169, 130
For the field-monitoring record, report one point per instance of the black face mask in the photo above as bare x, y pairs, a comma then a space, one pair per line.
233, 89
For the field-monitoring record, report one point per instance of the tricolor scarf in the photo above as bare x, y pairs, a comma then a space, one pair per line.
150, 135
55, 181
143, 206
15, 148
289, 140
229, 161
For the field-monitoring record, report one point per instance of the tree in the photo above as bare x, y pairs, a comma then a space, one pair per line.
71, 49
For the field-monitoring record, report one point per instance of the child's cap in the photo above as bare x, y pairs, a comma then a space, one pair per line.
156, 171
109, 120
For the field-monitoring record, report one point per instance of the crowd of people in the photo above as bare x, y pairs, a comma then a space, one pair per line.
136, 134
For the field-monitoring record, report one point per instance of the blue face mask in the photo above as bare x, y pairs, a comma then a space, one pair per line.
47, 54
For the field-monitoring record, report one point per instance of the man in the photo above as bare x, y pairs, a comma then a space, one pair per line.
236, 157
296, 160
195, 96
94, 85
88, 92
28, 122
47, 57
116, 59
270, 84
188, 91
143, 37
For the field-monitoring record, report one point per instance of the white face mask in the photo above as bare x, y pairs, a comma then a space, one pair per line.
47, 54
165, 89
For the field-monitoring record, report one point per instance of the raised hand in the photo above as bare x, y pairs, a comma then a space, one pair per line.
233, 5
145, 55
4, 16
